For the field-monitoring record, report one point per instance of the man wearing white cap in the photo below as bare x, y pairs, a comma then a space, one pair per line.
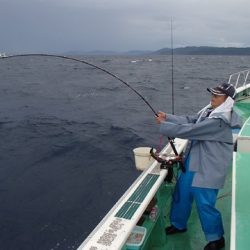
207, 159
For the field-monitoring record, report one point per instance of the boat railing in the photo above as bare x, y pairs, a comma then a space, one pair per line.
114, 229
240, 79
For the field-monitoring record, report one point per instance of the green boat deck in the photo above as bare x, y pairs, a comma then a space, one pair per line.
242, 191
242, 108
242, 201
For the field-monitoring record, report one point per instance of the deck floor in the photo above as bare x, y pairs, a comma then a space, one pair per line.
194, 238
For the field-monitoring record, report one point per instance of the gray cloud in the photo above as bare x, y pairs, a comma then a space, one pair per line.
65, 25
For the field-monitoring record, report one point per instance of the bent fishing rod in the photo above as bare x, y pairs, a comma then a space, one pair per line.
90, 64
96, 67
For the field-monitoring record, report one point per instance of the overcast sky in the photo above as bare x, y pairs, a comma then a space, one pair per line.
121, 25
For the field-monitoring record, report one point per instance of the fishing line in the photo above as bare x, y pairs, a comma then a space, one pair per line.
90, 64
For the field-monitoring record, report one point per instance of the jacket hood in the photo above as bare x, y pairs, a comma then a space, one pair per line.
230, 117
224, 112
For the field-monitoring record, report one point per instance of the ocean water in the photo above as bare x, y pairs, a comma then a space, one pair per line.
67, 133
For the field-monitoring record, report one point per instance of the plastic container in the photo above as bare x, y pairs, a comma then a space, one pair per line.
142, 157
136, 238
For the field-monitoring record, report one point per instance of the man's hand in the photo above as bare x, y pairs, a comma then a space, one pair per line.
161, 116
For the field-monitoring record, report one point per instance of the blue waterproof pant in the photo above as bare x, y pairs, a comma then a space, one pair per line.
205, 199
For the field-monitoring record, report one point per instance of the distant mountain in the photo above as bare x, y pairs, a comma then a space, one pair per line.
138, 52
205, 50
190, 50
92, 53
109, 53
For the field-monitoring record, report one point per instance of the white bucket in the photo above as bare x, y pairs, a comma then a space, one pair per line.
142, 157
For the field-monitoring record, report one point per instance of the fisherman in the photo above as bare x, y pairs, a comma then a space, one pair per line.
207, 159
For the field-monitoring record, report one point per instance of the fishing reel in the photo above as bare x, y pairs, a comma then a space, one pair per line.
168, 163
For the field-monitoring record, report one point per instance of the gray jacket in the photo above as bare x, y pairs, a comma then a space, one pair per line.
211, 148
